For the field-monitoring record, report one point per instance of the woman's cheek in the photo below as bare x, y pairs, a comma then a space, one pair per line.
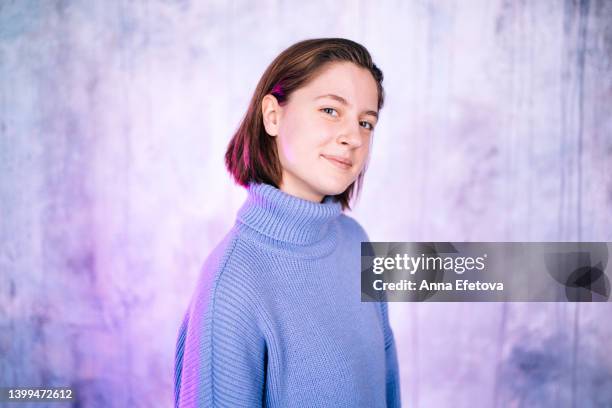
324, 136
363, 157
294, 150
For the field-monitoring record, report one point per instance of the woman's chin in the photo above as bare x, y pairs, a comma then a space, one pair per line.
332, 189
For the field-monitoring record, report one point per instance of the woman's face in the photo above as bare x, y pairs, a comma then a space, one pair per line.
324, 130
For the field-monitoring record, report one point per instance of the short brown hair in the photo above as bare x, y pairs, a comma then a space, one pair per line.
252, 155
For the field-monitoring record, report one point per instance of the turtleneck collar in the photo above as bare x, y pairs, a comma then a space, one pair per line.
284, 217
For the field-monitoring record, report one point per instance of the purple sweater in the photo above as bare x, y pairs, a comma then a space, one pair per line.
276, 318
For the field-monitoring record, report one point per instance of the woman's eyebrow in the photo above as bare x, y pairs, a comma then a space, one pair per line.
345, 102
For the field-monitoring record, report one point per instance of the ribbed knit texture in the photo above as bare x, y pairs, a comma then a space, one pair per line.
276, 318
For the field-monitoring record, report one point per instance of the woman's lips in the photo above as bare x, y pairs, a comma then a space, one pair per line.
338, 162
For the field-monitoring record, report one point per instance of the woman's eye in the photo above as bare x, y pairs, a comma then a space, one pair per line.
371, 127
368, 125
326, 110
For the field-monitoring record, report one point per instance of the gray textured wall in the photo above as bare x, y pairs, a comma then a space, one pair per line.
114, 117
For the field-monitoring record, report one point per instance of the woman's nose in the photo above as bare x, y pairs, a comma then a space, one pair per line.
351, 135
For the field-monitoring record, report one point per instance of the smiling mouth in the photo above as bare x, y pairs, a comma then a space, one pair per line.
339, 164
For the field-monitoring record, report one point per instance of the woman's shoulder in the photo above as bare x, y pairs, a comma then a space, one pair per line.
231, 263
352, 227
226, 287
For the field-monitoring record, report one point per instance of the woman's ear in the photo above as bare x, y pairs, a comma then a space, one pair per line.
271, 112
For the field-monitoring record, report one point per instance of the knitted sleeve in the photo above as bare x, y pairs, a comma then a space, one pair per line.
392, 371
224, 359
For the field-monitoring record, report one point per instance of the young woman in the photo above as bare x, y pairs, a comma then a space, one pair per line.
276, 318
